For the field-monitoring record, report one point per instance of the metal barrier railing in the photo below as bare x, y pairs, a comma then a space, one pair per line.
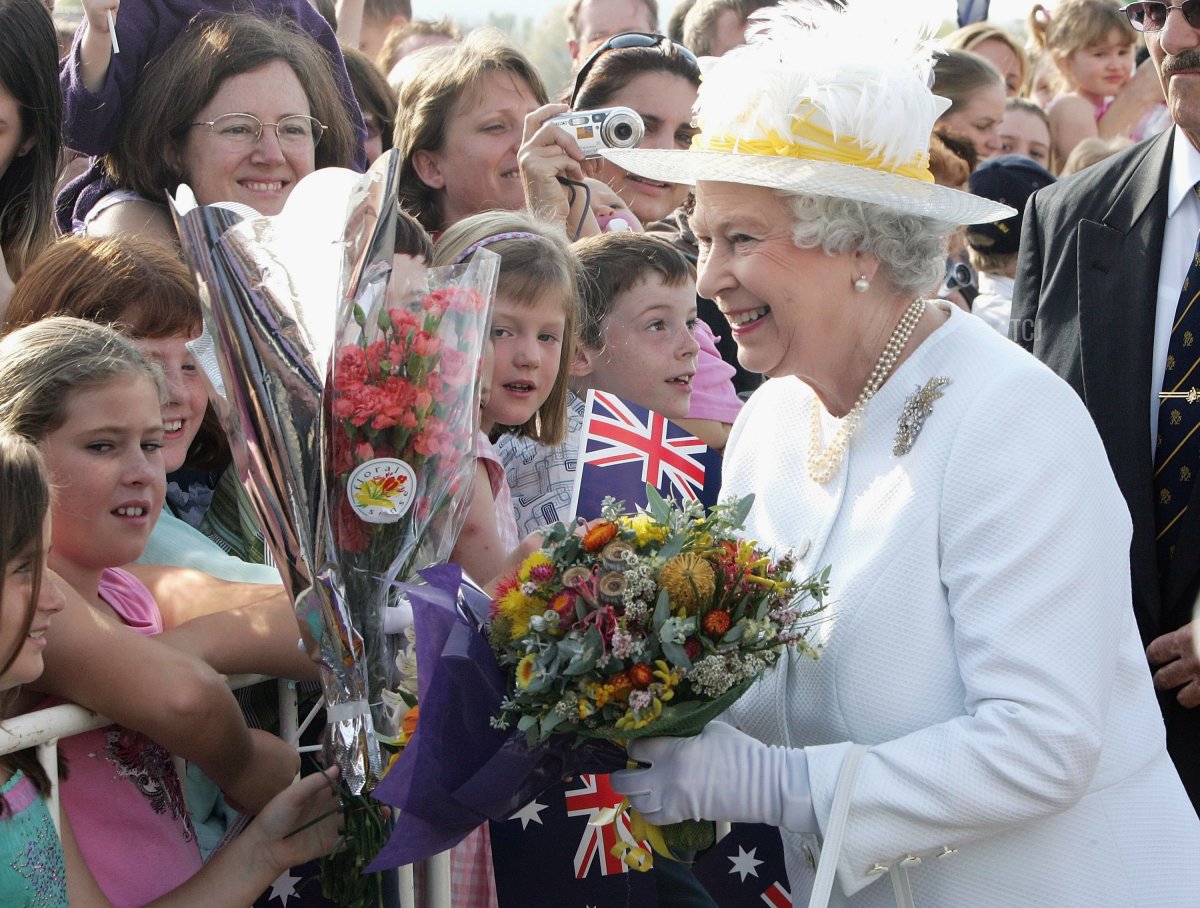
42, 729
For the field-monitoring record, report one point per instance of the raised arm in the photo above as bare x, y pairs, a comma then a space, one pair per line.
171, 697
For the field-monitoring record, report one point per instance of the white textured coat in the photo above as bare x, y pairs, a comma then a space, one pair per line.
979, 638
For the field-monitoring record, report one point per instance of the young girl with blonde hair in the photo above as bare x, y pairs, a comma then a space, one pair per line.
532, 336
1092, 44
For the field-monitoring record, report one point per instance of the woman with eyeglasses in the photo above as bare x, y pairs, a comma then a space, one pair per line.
238, 108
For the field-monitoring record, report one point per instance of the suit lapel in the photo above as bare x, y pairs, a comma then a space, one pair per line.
1119, 259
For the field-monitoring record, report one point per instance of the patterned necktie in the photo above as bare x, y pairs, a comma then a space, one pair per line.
1177, 450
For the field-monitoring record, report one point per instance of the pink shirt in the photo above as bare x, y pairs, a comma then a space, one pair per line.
122, 794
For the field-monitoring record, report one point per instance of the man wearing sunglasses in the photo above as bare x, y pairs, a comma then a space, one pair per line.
1100, 297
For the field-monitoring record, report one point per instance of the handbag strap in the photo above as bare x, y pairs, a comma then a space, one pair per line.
827, 865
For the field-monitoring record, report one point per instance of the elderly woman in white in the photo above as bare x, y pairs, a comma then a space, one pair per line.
980, 642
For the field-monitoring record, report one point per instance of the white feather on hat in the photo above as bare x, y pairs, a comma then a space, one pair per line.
828, 100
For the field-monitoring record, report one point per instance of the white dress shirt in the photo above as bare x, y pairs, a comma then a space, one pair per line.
1179, 244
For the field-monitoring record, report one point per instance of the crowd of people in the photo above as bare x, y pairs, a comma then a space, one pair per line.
823, 258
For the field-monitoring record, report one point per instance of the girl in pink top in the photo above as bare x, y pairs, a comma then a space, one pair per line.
35, 868
1092, 44
93, 405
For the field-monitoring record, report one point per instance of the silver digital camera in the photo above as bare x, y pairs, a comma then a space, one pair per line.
610, 127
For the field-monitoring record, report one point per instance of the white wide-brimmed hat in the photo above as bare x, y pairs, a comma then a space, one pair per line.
828, 101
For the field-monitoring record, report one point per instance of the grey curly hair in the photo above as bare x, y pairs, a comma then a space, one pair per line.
911, 249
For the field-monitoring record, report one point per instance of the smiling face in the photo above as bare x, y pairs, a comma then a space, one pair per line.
187, 394
979, 119
28, 644
1025, 133
527, 339
782, 303
650, 347
1100, 71
261, 174
664, 101
106, 471
475, 169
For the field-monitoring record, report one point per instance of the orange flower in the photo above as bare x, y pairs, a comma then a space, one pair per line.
599, 535
716, 623
641, 676
409, 723
620, 685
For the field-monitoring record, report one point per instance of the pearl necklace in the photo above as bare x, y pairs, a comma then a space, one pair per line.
823, 465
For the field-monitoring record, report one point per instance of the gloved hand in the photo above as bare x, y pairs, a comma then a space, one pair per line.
721, 774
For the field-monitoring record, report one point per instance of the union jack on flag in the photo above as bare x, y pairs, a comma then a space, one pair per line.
623, 446
547, 854
593, 795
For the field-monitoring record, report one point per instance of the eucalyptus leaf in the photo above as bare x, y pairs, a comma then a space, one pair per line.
676, 654
658, 508
734, 634
673, 547
740, 510
662, 610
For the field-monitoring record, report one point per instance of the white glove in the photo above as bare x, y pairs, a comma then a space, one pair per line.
721, 774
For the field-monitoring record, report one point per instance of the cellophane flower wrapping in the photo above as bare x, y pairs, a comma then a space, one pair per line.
651, 623
275, 292
403, 418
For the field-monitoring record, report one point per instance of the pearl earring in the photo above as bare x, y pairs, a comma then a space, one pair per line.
862, 285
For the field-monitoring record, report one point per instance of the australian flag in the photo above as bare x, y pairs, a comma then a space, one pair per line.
548, 854
623, 446
746, 868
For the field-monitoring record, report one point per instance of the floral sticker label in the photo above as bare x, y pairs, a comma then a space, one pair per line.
381, 490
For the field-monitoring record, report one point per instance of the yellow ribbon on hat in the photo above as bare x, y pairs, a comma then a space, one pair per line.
811, 142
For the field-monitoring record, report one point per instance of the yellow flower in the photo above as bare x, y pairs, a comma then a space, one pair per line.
648, 532
689, 581
518, 609
535, 560
526, 671
633, 720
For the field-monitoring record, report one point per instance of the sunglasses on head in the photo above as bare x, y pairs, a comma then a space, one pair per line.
1151, 15
635, 39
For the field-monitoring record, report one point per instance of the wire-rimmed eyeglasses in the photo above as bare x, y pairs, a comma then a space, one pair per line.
296, 131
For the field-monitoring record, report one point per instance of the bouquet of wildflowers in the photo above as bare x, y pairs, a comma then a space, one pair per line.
643, 624
646, 624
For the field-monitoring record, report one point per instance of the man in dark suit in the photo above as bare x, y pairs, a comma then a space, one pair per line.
1103, 260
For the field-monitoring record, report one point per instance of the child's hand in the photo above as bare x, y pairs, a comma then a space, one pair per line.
303, 822
268, 769
97, 12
